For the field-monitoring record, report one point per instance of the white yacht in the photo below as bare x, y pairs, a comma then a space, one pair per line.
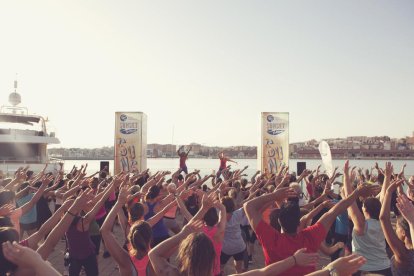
24, 139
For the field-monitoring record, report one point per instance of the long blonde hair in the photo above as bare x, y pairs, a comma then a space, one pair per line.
196, 255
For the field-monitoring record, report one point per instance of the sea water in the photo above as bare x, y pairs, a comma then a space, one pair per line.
209, 166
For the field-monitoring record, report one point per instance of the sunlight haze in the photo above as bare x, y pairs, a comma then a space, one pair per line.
203, 71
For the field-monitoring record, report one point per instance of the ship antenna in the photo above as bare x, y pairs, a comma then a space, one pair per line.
15, 84
15, 98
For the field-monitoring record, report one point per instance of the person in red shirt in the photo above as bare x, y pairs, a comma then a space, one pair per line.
278, 246
183, 158
223, 163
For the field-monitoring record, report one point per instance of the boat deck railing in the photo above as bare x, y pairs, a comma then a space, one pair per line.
24, 161
29, 160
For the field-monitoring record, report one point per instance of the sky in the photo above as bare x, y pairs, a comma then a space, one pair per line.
203, 71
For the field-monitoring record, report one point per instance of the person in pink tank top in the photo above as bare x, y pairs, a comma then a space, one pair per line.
135, 261
214, 228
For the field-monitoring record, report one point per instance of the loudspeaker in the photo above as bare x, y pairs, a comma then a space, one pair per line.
103, 165
301, 166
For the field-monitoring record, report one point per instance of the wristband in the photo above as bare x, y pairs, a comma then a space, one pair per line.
294, 258
332, 271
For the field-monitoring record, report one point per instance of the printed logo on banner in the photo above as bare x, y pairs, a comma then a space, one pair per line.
128, 125
123, 117
270, 118
274, 127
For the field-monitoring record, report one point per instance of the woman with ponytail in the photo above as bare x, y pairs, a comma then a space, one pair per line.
135, 260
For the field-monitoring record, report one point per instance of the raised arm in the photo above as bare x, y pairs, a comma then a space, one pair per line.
183, 209
27, 260
16, 182
57, 233
73, 190
328, 218
49, 191
253, 179
387, 179
45, 228
397, 246
160, 254
343, 266
207, 202
304, 221
158, 216
90, 216
230, 160
29, 205
253, 207
179, 149
116, 251
354, 213
303, 175
300, 258
221, 224
407, 210
148, 185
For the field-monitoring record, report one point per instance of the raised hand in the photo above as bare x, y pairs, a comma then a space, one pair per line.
347, 265
123, 194
46, 181
21, 176
117, 180
193, 226
305, 259
410, 182
346, 168
318, 169
389, 169
20, 255
83, 198
406, 208
328, 188
353, 176
394, 185
207, 201
401, 174
285, 180
284, 193
327, 204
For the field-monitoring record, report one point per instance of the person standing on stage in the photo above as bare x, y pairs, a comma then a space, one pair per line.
183, 158
223, 163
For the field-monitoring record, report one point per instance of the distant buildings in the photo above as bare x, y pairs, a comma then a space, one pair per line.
353, 147
358, 147
156, 151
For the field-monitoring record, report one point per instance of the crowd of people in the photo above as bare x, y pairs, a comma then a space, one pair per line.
180, 223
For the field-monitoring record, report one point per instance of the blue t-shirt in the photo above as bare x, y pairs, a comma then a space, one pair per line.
31, 215
341, 223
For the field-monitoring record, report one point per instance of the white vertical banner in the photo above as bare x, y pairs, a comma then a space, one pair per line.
274, 150
130, 142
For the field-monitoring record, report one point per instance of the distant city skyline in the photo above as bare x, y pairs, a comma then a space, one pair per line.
204, 71
354, 147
